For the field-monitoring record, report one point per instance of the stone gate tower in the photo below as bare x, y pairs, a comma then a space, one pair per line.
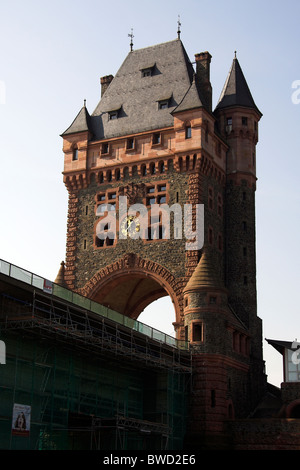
155, 139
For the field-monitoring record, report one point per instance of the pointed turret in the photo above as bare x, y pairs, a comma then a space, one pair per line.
82, 123
60, 278
204, 276
236, 91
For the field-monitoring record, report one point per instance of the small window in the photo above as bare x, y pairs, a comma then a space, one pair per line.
151, 190
164, 104
105, 148
146, 73
186, 333
197, 332
130, 144
229, 121
151, 200
113, 115
162, 187
220, 242
152, 169
156, 138
244, 121
75, 154
162, 199
161, 167
188, 132
213, 398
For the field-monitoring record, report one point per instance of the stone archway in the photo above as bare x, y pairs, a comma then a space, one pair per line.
131, 283
293, 409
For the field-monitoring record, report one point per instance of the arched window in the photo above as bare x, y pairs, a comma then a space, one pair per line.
161, 167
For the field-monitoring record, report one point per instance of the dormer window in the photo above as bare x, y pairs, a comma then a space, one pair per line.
147, 71
163, 104
113, 115
164, 101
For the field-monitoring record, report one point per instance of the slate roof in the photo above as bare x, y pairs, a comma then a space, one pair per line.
81, 123
136, 98
191, 100
236, 91
280, 346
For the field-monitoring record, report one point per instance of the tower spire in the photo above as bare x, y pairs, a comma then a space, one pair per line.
131, 42
178, 29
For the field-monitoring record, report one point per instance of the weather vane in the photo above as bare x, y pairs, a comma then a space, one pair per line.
179, 24
131, 36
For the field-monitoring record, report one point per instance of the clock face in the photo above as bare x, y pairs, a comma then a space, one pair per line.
130, 225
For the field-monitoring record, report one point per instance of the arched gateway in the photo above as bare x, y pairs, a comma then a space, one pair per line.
130, 284
155, 140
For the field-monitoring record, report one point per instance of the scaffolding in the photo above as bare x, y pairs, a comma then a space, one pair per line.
92, 383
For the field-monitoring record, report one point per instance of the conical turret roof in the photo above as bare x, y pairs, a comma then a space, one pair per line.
204, 276
236, 91
81, 123
60, 278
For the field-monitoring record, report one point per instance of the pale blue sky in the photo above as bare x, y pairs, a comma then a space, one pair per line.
52, 57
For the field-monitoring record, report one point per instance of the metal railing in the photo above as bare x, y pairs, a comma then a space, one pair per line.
53, 289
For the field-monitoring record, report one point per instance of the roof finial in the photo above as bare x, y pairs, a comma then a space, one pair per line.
131, 36
84, 103
235, 54
178, 30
